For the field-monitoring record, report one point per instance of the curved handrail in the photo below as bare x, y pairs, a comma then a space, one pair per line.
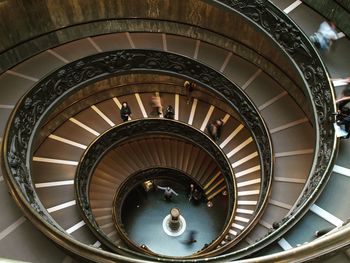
123, 190
59, 116
323, 156
280, 28
312, 71
139, 129
164, 173
220, 40
36, 104
287, 34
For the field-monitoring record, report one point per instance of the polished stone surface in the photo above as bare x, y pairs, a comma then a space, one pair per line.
145, 213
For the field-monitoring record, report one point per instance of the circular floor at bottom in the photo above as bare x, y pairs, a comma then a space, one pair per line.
145, 212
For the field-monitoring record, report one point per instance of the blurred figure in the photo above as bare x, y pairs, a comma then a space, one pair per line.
197, 195
322, 232
191, 238
169, 112
125, 111
156, 104
190, 192
325, 35
194, 194
189, 87
341, 104
214, 129
168, 192
341, 81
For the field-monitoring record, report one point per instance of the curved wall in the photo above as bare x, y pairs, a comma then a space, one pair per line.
40, 25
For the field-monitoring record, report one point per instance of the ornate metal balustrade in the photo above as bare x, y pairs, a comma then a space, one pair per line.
155, 173
296, 44
138, 129
35, 106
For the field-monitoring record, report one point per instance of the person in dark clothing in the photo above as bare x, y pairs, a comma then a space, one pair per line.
343, 118
191, 238
214, 129
322, 232
341, 104
346, 122
169, 112
197, 195
125, 111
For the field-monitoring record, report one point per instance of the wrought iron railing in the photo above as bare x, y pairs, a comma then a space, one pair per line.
150, 174
297, 46
137, 129
30, 113
34, 106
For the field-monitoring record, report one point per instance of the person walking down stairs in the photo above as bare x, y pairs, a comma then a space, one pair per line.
157, 107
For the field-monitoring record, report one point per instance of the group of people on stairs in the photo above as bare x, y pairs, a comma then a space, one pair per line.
125, 111
214, 128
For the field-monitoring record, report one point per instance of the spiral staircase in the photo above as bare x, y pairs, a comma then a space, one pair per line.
279, 170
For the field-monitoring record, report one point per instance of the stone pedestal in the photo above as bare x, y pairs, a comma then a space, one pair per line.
174, 222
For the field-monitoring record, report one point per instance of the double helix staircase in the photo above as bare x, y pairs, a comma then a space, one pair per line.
56, 157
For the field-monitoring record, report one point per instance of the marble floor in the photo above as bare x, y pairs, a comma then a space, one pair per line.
145, 213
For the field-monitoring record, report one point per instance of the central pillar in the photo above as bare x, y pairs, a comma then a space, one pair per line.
174, 222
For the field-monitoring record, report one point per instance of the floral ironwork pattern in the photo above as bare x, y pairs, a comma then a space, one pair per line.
37, 102
297, 45
44, 96
129, 130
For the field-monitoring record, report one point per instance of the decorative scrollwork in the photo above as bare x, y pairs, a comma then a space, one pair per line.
33, 108
37, 103
297, 45
129, 130
141, 176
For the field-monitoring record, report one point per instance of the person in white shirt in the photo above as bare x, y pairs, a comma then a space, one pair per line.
168, 192
325, 35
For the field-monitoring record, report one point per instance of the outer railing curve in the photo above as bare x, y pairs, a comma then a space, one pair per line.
269, 19
30, 112
137, 129
281, 29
